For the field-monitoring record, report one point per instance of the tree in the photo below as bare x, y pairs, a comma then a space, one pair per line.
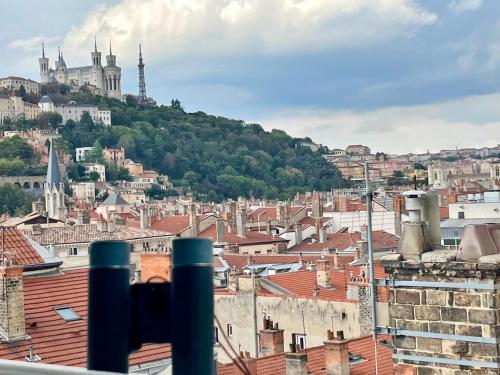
86, 121
16, 148
49, 120
14, 201
23, 94
11, 167
420, 166
96, 154
131, 100
94, 176
176, 105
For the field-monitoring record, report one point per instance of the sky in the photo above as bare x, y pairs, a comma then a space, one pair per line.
397, 75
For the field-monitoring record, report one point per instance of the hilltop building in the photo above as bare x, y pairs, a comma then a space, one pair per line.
73, 111
106, 80
15, 83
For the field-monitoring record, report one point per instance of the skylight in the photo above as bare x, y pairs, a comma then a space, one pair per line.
68, 314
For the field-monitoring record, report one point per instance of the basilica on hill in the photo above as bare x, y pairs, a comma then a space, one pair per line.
105, 80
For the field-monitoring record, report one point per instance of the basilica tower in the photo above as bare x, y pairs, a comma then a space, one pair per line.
112, 76
44, 66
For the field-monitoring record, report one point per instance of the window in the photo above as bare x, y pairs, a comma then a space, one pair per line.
230, 330
72, 251
67, 313
461, 215
216, 334
344, 316
355, 358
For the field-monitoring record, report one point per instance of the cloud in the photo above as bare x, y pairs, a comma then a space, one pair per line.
33, 44
460, 6
470, 121
177, 29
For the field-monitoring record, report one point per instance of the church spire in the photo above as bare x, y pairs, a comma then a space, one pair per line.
59, 52
110, 52
43, 50
53, 173
95, 43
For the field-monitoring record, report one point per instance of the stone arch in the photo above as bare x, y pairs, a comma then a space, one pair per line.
17, 184
36, 185
27, 185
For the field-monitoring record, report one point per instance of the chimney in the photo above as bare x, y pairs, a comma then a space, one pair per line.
156, 267
364, 232
337, 355
102, 225
296, 363
271, 339
298, 234
317, 206
219, 230
233, 281
362, 246
194, 221
12, 321
241, 220
414, 240
144, 219
281, 214
323, 273
321, 232
231, 217
268, 227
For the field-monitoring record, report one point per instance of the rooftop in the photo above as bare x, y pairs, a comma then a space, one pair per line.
55, 340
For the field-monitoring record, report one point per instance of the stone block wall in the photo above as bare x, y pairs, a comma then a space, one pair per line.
444, 310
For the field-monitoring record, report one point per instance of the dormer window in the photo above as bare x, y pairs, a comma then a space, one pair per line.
68, 314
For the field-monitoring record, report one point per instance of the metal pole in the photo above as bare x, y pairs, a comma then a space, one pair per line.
373, 291
109, 306
192, 307
254, 307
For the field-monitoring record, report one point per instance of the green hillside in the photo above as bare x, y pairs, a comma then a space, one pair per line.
212, 156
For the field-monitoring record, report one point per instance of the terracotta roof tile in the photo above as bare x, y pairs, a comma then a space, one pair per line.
232, 239
17, 248
55, 340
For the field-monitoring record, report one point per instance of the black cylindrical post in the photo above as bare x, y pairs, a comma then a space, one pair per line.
109, 306
192, 307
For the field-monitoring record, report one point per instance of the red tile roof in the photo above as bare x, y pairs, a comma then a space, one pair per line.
232, 239
269, 213
364, 346
17, 248
171, 224
342, 240
55, 340
303, 283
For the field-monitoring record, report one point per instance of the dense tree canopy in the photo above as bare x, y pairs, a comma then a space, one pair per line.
213, 156
14, 201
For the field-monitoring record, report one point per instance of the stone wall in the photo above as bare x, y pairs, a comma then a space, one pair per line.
439, 309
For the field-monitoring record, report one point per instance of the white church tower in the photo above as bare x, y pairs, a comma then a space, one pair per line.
54, 188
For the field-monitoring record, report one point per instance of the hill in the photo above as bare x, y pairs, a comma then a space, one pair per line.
215, 157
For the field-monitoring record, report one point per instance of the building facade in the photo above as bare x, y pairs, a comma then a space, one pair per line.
14, 83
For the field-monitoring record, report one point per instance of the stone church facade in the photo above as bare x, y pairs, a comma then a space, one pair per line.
105, 80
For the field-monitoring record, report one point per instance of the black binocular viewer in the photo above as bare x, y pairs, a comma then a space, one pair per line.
123, 316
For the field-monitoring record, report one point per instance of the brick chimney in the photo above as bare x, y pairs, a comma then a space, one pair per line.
281, 214
241, 221
271, 339
156, 266
194, 221
12, 321
296, 363
298, 234
231, 217
323, 273
336, 355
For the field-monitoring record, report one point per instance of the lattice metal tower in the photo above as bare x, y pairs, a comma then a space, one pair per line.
142, 80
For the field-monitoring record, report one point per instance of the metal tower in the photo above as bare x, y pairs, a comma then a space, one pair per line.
142, 82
